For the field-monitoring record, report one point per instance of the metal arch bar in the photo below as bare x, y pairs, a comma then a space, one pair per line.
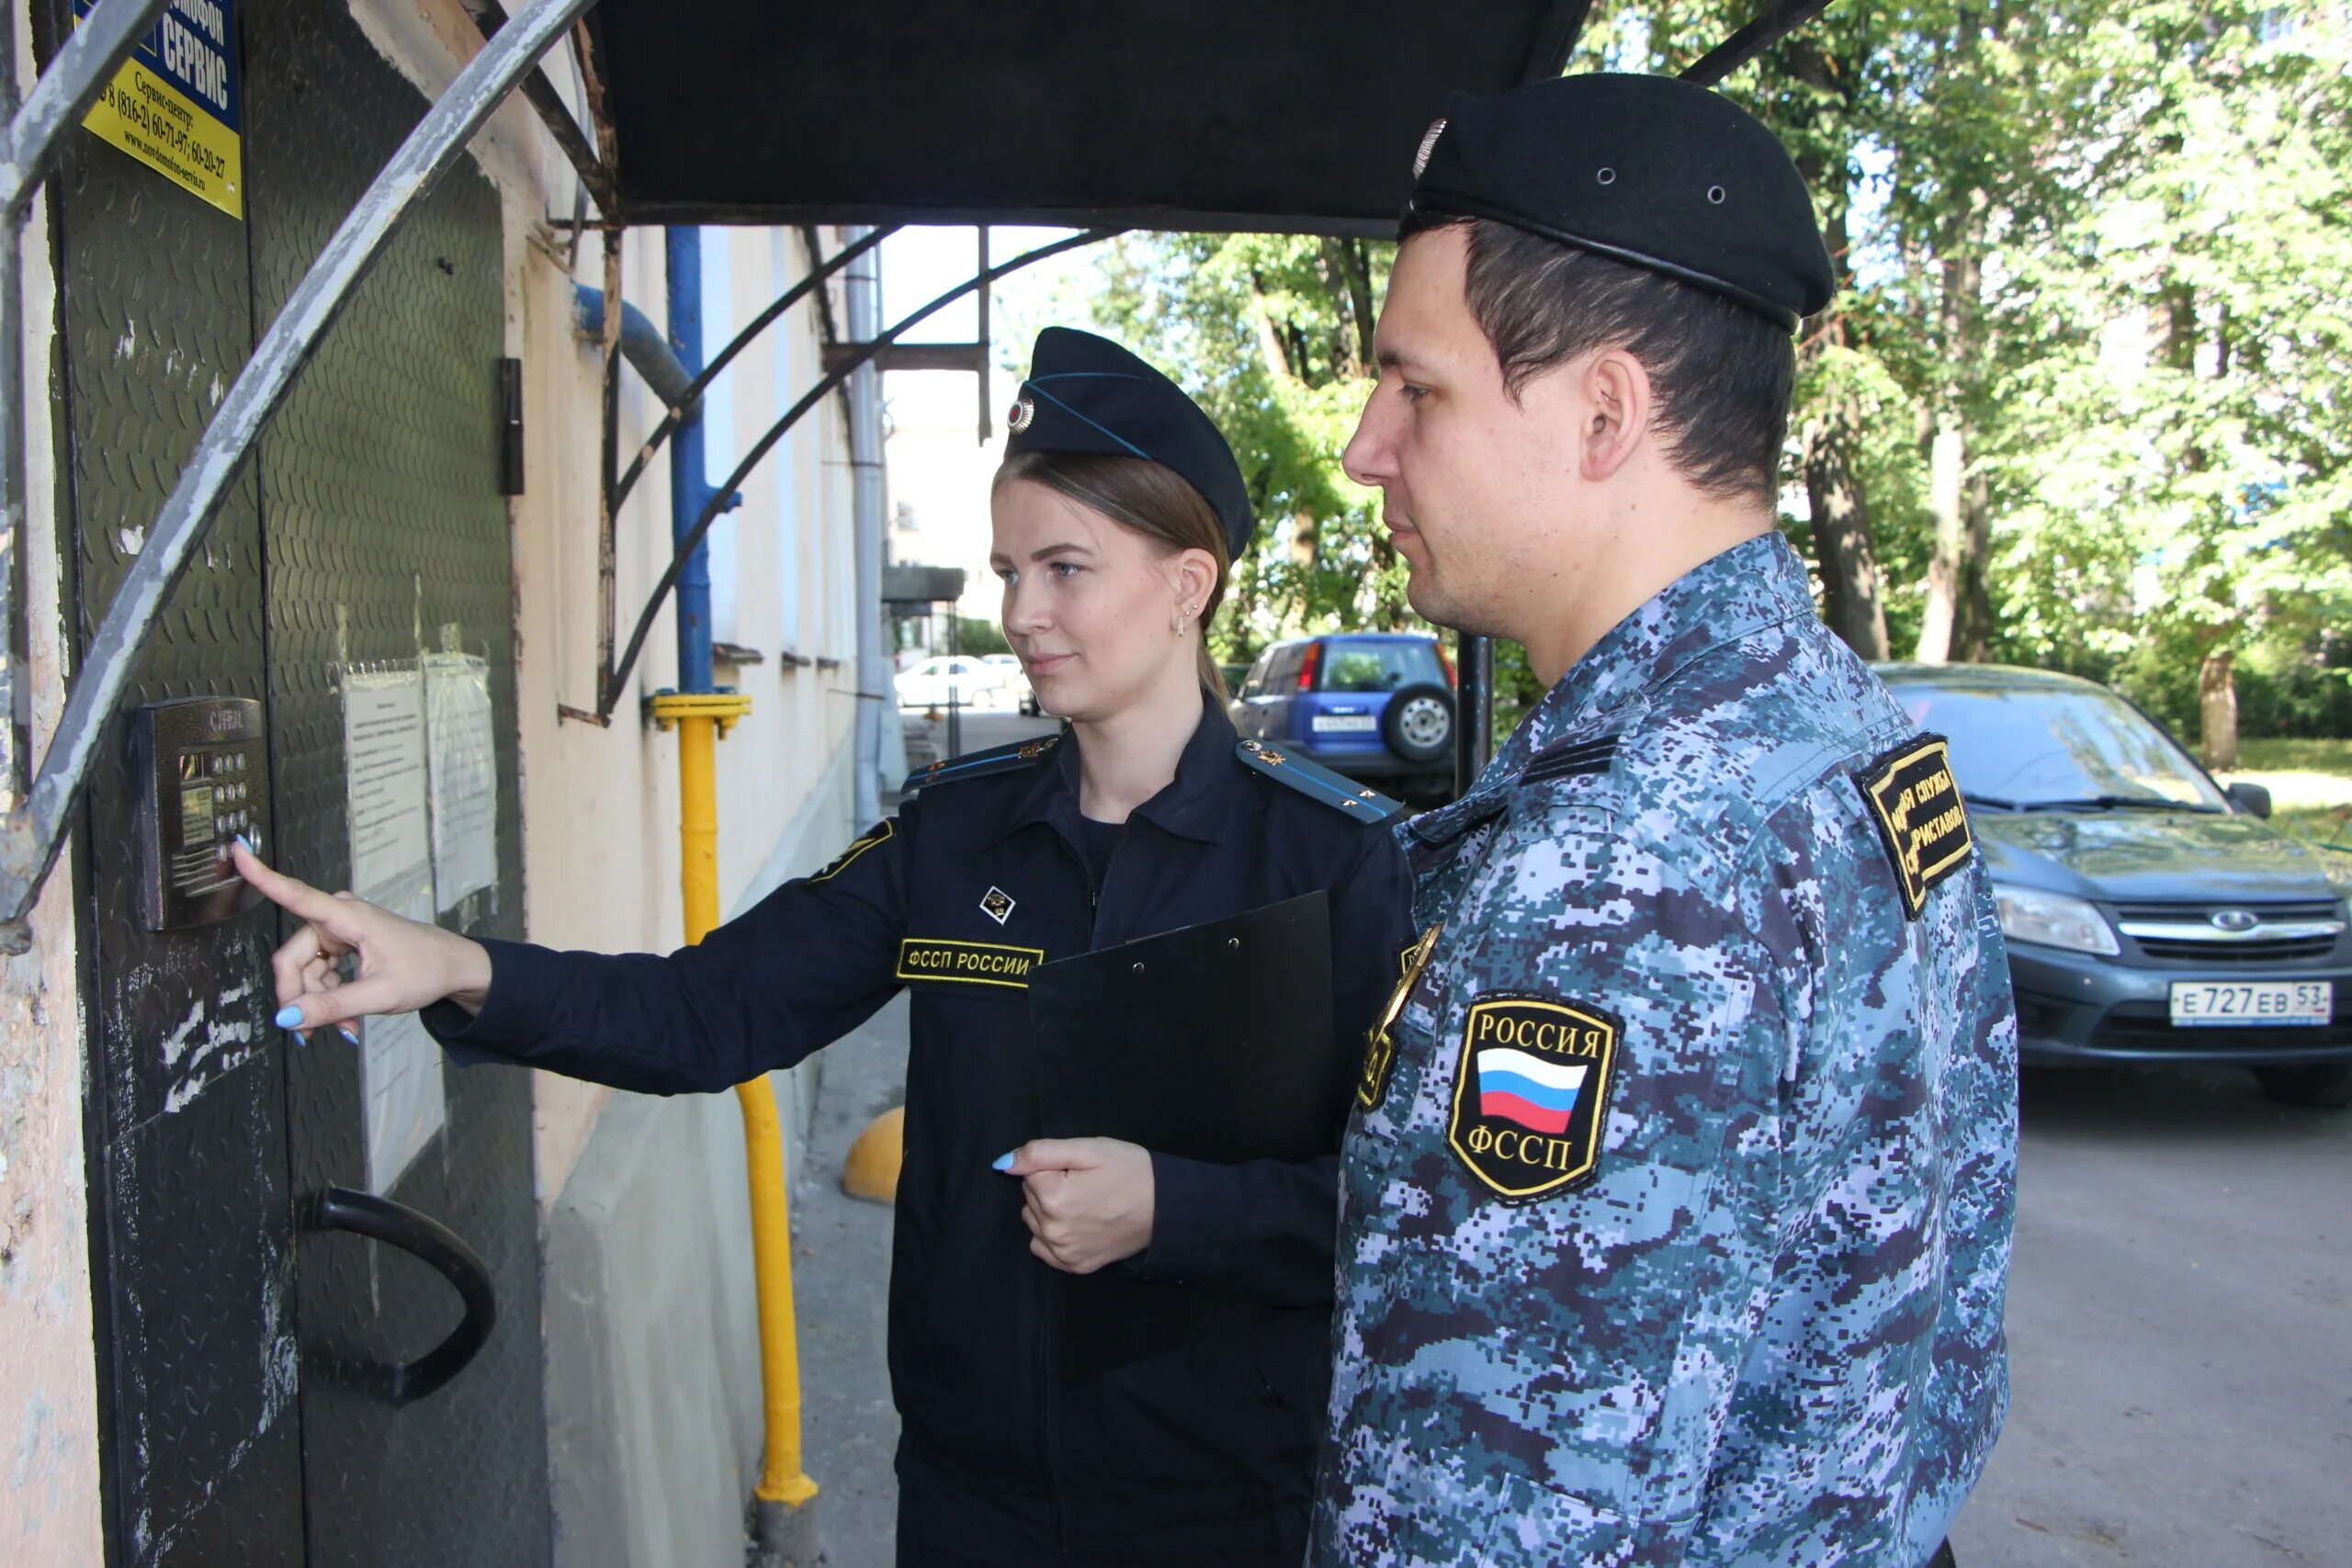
33, 831
14, 676
490, 16
859, 354
1779, 20
692, 394
65, 91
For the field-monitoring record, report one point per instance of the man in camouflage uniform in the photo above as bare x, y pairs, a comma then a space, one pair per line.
1675, 1213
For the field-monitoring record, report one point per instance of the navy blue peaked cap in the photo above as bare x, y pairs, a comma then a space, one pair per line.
1087, 394
1646, 170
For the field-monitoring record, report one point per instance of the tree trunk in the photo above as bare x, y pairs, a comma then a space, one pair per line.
1351, 270
1841, 530
1389, 615
2217, 706
1975, 640
1961, 538
1829, 441
1305, 539
1947, 453
1269, 338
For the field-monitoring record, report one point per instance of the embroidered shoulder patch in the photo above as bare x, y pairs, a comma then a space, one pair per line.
879, 833
1569, 759
1915, 802
1380, 1046
1530, 1093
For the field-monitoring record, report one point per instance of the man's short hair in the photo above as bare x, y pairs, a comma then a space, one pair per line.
1722, 376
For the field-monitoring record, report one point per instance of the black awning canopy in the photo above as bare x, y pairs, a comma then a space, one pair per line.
1297, 114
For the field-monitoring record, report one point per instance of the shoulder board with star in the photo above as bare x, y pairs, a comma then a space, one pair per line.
980, 764
1317, 782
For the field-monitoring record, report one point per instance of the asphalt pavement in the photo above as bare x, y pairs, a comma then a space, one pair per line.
2180, 1331
841, 1248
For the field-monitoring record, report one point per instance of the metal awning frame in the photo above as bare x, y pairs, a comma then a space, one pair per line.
33, 829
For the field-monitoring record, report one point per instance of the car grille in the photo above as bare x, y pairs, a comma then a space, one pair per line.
2185, 933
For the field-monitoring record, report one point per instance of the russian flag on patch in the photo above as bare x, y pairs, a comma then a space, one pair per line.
1537, 1094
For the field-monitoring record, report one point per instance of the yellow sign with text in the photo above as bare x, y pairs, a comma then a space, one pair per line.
174, 105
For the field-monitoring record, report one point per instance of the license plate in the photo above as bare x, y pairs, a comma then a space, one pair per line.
1345, 724
2272, 1004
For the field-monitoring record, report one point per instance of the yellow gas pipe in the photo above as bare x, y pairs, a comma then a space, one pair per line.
702, 718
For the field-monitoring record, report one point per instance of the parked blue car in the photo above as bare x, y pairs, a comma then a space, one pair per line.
1373, 706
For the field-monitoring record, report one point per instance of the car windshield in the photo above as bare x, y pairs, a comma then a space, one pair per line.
2043, 750
1377, 666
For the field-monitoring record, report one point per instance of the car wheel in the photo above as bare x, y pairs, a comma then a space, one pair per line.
1418, 723
2320, 1088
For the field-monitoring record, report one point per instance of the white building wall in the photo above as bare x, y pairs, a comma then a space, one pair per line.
49, 1412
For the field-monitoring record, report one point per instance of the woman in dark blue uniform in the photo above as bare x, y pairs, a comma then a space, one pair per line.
1115, 516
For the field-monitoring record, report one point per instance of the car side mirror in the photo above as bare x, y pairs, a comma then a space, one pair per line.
2250, 798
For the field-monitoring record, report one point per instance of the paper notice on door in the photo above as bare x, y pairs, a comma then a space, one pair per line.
464, 775
383, 763
400, 1083
392, 864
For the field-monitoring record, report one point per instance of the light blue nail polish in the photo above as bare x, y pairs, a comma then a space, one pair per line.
244, 843
347, 1033
1002, 1161
288, 1016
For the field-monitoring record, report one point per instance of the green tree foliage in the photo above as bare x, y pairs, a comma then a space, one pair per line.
2186, 413
2083, 402
1273, 333
979, 635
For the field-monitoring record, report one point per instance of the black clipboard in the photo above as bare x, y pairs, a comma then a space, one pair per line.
1214, 1042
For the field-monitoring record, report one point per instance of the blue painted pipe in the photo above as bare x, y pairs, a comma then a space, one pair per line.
668, 366
642, 343
690, 488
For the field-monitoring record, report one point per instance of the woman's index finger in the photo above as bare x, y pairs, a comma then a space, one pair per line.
287, 893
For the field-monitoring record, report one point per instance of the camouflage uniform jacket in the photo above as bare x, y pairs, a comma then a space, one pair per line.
1676, 1211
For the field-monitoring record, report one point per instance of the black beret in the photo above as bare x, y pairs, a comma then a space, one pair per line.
1645, 169
1087, 394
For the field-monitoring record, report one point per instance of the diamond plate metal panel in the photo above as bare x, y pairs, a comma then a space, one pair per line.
386, 532
235, 1434
187, 1121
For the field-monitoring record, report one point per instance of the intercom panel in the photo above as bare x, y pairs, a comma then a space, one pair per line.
202, 769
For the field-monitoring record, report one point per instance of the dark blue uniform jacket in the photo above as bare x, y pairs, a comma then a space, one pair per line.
1203, 1452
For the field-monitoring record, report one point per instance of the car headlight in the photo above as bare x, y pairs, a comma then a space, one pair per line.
2053, 920
2338, 866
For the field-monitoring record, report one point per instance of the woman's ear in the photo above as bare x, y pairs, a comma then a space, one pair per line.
1193, 577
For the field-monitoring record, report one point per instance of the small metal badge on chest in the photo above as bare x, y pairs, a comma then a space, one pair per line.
996, 905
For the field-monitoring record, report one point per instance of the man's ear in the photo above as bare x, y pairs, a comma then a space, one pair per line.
1617, 393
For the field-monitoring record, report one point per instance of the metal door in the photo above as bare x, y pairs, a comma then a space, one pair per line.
386, 537
241, 1353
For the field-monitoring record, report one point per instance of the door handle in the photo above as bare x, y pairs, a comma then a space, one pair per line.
426, 1238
